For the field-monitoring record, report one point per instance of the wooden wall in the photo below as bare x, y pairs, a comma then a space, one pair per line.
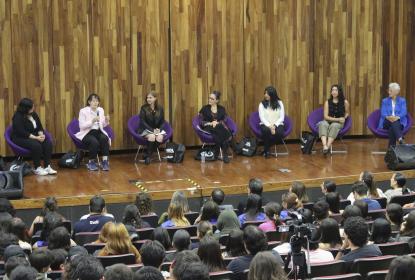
58, 51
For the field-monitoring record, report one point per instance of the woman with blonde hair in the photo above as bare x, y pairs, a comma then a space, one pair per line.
176, 216
180, 198
119, 243
103, 235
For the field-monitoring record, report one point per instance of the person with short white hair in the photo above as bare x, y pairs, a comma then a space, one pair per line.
393, 116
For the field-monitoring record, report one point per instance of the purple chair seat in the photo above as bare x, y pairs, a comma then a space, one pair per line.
205, 136
133, 124
318, 115
254, 121
73, 128
373, 122
17, 150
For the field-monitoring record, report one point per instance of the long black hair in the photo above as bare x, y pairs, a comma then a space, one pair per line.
273, 98
25, 105
340, 90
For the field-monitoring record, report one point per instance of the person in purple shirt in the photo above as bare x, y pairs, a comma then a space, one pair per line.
253, 207
360, 190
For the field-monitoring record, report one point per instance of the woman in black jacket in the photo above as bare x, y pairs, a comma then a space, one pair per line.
151, 124
28, 132
213, 118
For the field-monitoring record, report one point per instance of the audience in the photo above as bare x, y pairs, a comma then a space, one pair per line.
210, 254
210, 213
398, 182
330, 234
176, 216
103, 235
181, 242
218, 196
50, 205
148, 273
402, 268
363, 206
291, 204
253, 208
23, 272
273, 211
227, 222
394, 214
321, 211
264, 266
144, 203
41, 259
360, 191
204, 228
333, 200
84, 267
51, 221
254, 187
97, 217
300, 190
328, 186
381, 231
132, 221
373, 191
12, 263
118, 271
152, 254
60, 238
235, 246
162, 235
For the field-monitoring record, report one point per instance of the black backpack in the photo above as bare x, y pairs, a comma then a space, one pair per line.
247, 147
209, 153
22, 166
175, 152
307, 140
70, 160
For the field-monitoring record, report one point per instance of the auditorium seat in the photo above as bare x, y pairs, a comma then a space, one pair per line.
110, 260
135, 267
192, 230
328, 268
252, 223
145, 233
403, 199
349, 276
344, 203
374, 214
138, 244
191, 217
382, 201
337, 216
377, 275
82, 238
92, 247
223, 239
151, 219
365, 265
221, 275
165, 266
394, 248
308, 205
228, 260
273, 244
274, 235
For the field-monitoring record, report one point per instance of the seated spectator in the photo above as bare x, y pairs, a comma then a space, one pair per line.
23, 272
60, 238
13, 251
51, 221
6, 239
152, 254
290, 203
254, 187
351, 211
144, 203
398, 182
408, 226
132, 221
373, 191
381, 232
364, 208
273, 211
176, 216
402, 268
355, 237
84, 267
265, 266
255, 241
253, 207
7, 207
41, 259
178, 200
196, 270
181, 242
227, 222
394, 214
320, 211
210, 254
50, 205
300, 190
96, 218
12, 263
210, 213
328, 186
58, 259
119, 243
330, 234
333, 200
6, 222
182, 260
148, 273
118, 271
103, 234
204, 228
360, 191
235, 246
218, 196
317, 255
162, 235
18, 228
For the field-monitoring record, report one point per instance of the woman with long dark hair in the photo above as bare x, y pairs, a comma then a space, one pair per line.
50, 205
369, 179
271, 114
329, 234
253, 210
213, 118
132, 220
92, 121
210, 254
151, 124
381, 231
336, 111
300, 190
235, 246
28, 132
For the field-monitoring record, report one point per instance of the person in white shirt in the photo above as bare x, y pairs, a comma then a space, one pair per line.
398, 182
374, 192
271, 115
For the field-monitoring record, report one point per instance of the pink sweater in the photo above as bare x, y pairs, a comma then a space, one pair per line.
86, 115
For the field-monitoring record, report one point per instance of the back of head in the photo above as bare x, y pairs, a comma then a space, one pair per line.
50, 205
265, 266
273, 211
253, 204
402, 268
381, 231
161, 235
6, 222
51, 221
96, 204
333, 200
182, 260
400, 179
235, 246
131, 216
58, 258
321, 210
144, 202
306, 215
196, 270
23, 272
181, 240
204, 228
218, 196
41, 259
356, 230
329, 186
18, 228
59, 238
118, 239
330, 232
88, 268
148, 273
368, 179
290, 201
255, 186
6, 239
6, 206
300, 190
254, 239
176, 213
14, 262
364, 208
210, 254
351, 211
152, 253
118, 271
395, 213
360, 189
228, 220
180, 198
210, 211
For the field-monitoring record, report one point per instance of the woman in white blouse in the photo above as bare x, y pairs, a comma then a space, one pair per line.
271, 114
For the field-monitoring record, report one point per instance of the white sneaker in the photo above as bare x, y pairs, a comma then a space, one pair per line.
50, 170
40, 171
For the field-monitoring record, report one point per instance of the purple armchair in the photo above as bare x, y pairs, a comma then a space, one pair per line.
73, 128
133, 124
17, 150
373, 122
254, 121
318, 115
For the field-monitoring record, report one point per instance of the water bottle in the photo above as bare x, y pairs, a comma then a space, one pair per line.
202, 157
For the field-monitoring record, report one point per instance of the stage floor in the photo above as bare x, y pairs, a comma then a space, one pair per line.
126, 178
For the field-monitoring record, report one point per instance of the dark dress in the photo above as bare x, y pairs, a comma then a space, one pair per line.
22, 127
149, 121
221, 132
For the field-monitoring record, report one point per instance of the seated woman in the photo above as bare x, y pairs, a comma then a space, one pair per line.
272, 210
144, 203
374, 192
300, 190
50, 205
151, 124
213, 118
51, 221
252, 212
204, 228
162, 235
132, 221
333, 200
180, 198
227, 222
271, 115
291, 204
210, 212
210, 254
235, 246
28, 132
394, 214
381, 232
330, 234
393, 115
119, 243
176, 217
336, 111
103, 234
92, 121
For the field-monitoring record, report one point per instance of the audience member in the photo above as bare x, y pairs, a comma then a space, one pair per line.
103, 234
50, 205
196, 270
210, 212
235, 246
23, 272
12, 263
132, 221
300, 190
58, 259
398, 182
6, 222
204, 228
152, 254
209, 253
317, 255
381, 231
227, 222
60, 238
6, 239
408, 226
273, 211
7, 207
182, 260
363, 206
18, 228
373, 192
85, 267
360, 191
328, 186
144, 203
402, 268
394, 214
264, 266
330, 234
291, 204
51, 221
13, 251
181, 242
333, 200
218, 196
162, 235
178, 200
176, 216
254, 187
253, 207
96, 218
351, 211
320, 211
148, 273
118, 271
41, 259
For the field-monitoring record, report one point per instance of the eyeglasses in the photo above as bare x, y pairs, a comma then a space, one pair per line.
211, 98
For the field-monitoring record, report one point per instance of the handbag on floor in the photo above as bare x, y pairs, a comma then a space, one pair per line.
208, 153
307, 140
175, 152
247, 147
70, 160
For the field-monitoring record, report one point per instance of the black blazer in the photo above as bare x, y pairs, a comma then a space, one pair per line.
151, 119
207, 115
22, 127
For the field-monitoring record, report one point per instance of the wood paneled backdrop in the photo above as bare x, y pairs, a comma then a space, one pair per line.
58, 51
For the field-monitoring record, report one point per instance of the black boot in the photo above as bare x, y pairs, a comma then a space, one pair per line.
149, 153
225, 156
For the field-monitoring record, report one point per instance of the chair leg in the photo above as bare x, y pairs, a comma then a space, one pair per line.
377, 152
136, 154
158, 153
338, 151
285, 153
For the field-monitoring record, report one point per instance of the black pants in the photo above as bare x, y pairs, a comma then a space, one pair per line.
221, 135
394, 131
268, 138
96, 141
38, 149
